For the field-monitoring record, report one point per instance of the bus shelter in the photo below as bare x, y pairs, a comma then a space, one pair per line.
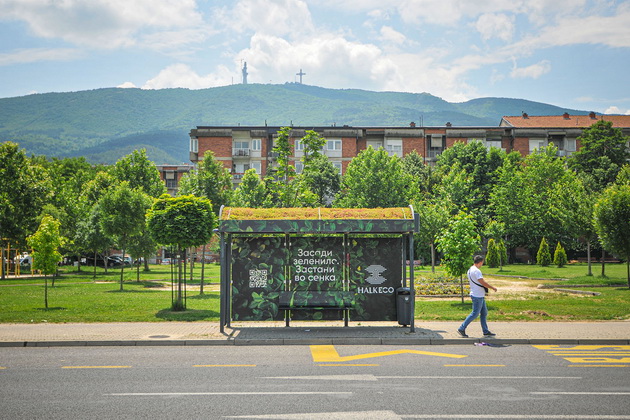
317, 264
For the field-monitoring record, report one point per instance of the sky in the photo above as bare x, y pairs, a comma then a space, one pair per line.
570, 53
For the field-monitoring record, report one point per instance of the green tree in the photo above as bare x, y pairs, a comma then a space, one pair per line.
603, 151
140, 173
90, 237
492, 257
423, 175
543, 257
612, 213
502, 251
251, 192
559, 256
458, 242
374, 179
211, 180
182, 222
322, 178
24, 190
122, 216
46, 243
313, 143
434, 218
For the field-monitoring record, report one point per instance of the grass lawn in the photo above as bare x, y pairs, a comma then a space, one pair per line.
77, 298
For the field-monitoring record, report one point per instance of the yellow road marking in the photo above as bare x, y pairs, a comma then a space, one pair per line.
598, 359
559, 347
599, 365
95, 367
224, 365
477, 365
350, 364
328, 353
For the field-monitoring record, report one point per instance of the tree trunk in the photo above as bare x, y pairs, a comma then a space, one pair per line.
628, 269
94, 274
461, 286
122, 268
46, 291
146, 264
603, 263
433, 257
203, 267
138, 272
588, 257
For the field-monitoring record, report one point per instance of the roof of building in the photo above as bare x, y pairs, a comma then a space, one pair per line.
563, 121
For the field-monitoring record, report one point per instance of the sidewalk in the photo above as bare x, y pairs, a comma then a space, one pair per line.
307, 333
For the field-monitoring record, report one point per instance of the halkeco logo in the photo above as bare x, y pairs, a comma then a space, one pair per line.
375, 278
375, 274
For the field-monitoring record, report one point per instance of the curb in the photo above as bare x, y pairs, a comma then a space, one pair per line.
314, 341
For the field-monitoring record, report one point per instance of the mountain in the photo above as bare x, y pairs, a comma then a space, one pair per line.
106, 124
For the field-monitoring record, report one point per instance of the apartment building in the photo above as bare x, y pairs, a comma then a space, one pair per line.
241, 148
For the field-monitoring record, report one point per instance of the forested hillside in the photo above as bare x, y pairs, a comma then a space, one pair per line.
106, 124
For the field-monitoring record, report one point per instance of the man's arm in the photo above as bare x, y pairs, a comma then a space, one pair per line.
486, 284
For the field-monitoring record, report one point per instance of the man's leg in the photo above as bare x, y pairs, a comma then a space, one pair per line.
476, 309
484, 317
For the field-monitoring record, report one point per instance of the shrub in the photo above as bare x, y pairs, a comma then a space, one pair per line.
559, 256
492, 257
543, 257
502, 252
438, 285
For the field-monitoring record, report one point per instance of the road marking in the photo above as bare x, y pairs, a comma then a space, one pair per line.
579, 393
170, 394
95, 367
604, 355
369, 378
479, 377
349, 364
390, 415
327, 353
599, 366
475, 365
224, 365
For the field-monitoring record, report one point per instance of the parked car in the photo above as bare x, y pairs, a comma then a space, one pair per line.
112, 262
166, 261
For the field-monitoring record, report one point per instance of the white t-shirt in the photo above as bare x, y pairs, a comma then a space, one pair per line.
474, 274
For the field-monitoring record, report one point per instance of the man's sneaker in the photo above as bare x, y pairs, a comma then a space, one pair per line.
489, 334
462, 333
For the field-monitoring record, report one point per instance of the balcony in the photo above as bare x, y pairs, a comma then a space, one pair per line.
434, 153
237, 175
240, 152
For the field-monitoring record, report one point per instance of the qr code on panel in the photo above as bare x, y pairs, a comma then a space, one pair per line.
257, 278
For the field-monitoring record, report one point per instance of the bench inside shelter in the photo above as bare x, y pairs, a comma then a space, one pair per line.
316, 300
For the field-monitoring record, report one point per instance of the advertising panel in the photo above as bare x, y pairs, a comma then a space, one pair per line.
316, 265
257, 277
375, 274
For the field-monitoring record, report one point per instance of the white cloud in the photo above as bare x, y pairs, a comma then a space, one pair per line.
126, 85
616, 110
392, 36
531, 72
34, 55
495, 26
100, 23
272, 17
181, 75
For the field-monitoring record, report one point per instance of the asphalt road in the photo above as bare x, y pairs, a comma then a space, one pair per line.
313, 382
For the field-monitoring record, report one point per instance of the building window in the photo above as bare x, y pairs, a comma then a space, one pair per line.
535, 144
299, 167
333, 145
256, 166
338, 166
171, 184
194, 145
256, 144
394, 147
240, 148
299, 145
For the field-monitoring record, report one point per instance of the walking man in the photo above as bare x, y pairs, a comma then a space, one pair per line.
478, 289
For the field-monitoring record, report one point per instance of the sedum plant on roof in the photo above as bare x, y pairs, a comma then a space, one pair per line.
318, 213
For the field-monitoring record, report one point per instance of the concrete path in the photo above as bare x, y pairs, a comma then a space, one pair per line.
303, 333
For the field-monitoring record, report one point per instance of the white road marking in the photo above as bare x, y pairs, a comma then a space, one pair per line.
579, 393
170, 394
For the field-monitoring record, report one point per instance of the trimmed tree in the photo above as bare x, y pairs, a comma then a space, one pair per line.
492, 257
559, 256
543, 257
458, 242
181, 222
45, 243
